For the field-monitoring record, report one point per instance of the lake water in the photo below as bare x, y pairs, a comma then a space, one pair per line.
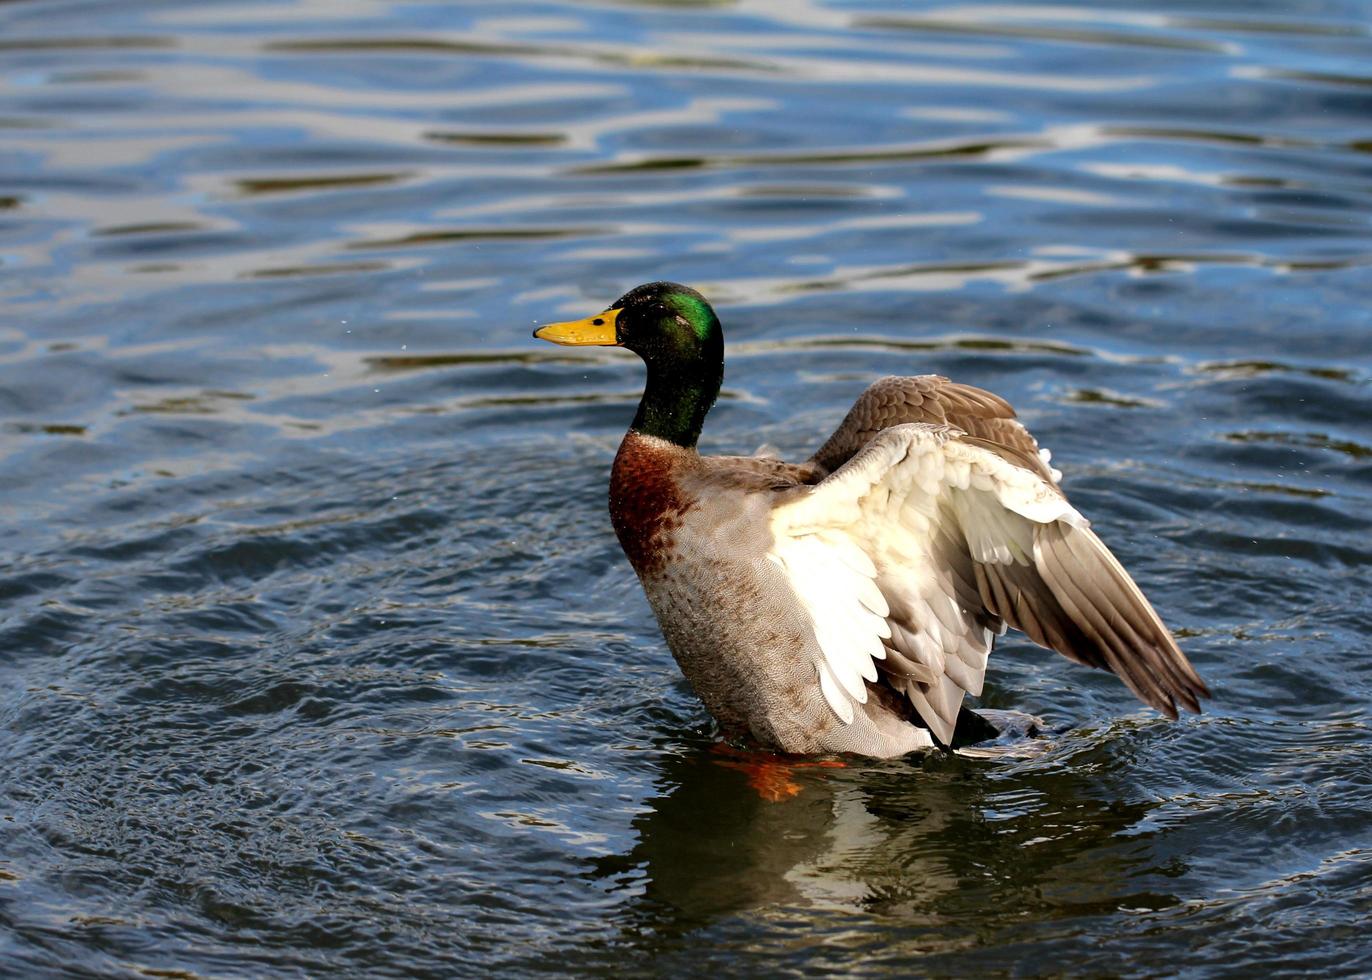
317, 653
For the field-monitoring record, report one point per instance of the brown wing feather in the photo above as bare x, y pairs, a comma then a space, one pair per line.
988, 420
1075, 599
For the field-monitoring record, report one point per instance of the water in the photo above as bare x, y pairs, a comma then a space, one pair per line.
316, 650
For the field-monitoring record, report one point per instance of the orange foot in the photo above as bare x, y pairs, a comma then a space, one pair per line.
770, 775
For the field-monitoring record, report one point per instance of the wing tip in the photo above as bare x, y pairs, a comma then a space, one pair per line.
833, 695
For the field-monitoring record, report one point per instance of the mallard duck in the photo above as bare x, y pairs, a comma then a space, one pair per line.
847, 604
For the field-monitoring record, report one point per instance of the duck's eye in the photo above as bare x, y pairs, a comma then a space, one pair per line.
599, 321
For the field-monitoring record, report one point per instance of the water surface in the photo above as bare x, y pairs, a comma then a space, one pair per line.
317, 652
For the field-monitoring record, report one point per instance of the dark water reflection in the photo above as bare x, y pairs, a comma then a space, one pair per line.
877, 840
316, 650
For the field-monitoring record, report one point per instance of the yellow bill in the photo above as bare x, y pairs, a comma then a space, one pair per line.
598, 330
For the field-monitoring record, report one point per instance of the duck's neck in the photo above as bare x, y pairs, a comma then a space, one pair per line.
678, 396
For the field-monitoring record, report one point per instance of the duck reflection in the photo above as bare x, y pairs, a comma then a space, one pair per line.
933, 839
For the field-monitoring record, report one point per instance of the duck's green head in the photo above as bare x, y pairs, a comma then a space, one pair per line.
678, 336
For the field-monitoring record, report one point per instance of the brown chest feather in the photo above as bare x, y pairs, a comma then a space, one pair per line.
646, 503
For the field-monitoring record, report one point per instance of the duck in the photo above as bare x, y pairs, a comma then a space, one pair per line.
848, 604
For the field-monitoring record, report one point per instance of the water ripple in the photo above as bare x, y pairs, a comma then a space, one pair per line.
318, 650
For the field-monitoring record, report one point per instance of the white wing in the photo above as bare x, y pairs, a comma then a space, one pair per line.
916, 553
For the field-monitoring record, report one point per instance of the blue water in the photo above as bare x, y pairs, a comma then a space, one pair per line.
317, 653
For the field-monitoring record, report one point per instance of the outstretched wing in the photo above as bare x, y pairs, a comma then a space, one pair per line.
913, 554
986, 420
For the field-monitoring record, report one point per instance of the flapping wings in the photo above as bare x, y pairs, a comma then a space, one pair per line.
927, 541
